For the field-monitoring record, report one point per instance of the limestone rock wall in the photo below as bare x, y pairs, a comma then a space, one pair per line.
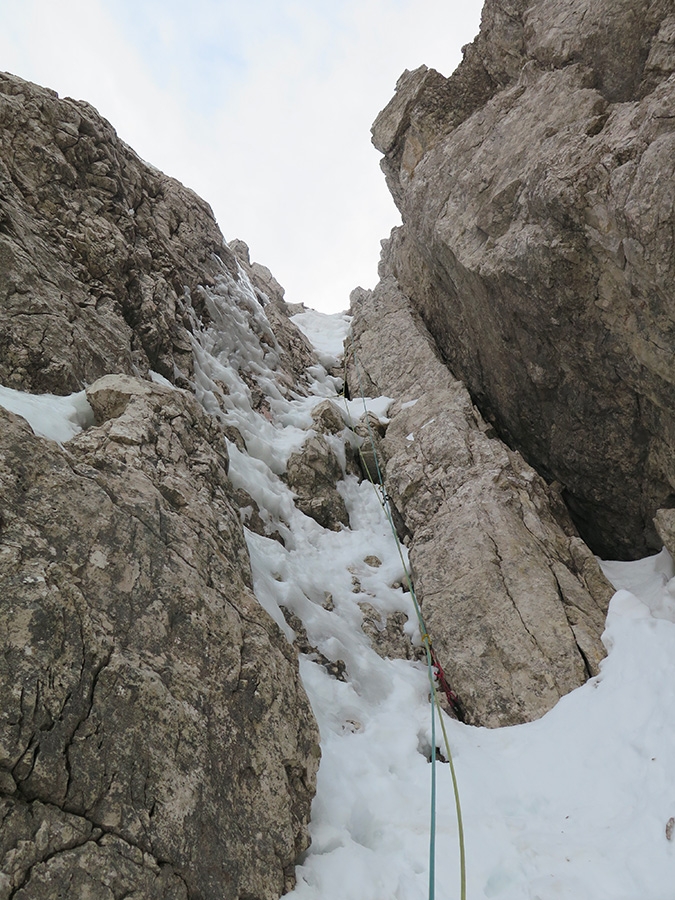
152, 717
155, 738
99, 252
514, 600
537, 194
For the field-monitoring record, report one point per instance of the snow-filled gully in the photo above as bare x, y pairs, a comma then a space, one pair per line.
575, 805
572, 806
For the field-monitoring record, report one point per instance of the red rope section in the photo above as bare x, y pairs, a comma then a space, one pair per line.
450, 695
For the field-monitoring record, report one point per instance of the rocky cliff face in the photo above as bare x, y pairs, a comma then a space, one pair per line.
155, 739
513, 598
537, 194
94, 243
147, 696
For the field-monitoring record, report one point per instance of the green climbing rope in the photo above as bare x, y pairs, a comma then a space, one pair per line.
426, 642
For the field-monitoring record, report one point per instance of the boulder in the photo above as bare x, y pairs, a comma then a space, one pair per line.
312, 473
328, 418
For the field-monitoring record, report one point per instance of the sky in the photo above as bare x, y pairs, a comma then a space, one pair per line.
264, 108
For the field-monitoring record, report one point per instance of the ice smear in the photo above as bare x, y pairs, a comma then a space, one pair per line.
574, 805
160, 379
649, 578
354, 409
49, 415
238, 351
326, 332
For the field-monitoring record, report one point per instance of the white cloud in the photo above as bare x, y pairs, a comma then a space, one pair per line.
263, 108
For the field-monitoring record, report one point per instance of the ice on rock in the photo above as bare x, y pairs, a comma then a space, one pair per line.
50, 416
354, 409
327, 333
573, 805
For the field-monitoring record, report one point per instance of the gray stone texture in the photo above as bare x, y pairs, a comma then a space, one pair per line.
514, 600
538, 200
152, 720
155, 739
97, 249
312, 473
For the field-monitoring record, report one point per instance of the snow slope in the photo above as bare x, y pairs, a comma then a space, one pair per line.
574, 806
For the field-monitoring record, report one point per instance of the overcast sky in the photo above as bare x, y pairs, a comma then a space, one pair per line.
263, 107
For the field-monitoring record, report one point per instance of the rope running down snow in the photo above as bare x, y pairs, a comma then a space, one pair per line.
432, 663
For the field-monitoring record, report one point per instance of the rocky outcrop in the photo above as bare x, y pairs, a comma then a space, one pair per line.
97, 249
155, 739
514, 600
312, 473
535, 186
104, 260
152, 721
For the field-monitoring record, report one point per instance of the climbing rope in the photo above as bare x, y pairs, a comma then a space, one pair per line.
434, 669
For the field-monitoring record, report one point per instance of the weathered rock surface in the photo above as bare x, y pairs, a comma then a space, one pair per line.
387, 634
313, 473
154, 737
103, 257
538, 200
513, 598
48, 853
96, 249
